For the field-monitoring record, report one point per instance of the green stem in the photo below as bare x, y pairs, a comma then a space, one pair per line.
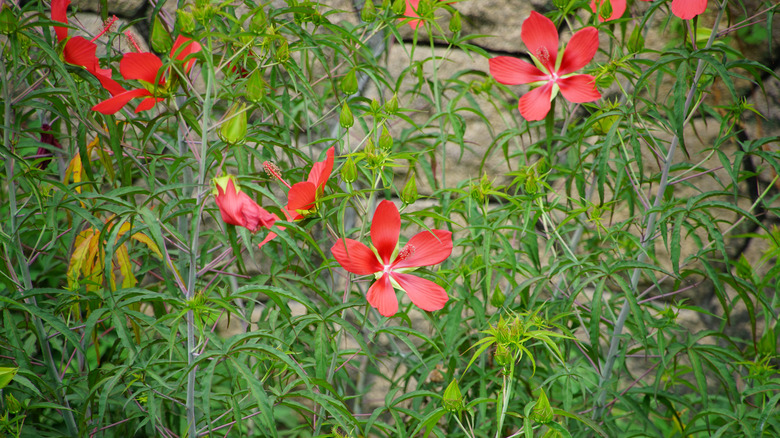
647, 238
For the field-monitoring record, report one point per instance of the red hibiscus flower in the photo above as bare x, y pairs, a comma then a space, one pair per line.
390, 266
80, 51
302, 198
237, 208
412, 6
687, 9
618, 8
147, 68
552, 73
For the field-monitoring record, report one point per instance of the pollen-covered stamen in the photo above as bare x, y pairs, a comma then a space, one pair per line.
272, 170
406, 252
133, 42
543, 55
106, 28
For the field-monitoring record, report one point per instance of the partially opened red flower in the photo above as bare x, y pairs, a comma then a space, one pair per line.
237, 208
390, 266
687, 9
302, 198
147, 68
80, 51
618, 8
552, 72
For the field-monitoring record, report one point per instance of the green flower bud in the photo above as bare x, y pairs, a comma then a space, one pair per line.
498, 297
604, 124
503, 355
387, 4
161, 39
391, 106
560, 4
452, 399
185, 21
349, 84
12, 404
346, 120
375, 107
8, 20
233, 129
369, 11
349, 171
385, 140
455, 24
282, 52
542, 412
256, 88
636, 42
409, 192
605, 9
399, 7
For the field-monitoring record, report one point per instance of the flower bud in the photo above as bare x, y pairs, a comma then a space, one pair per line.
636, 42
560, 4
409, 192
282, 53
369, 11
233, 129
605, 9
349, 171
452, 399
256, 88
12, 404
542, 412
375, 107
503, 355
185, 21
8, 21
385, 140
161, 39
399, 7
349, 84
455, 24
391, 106
346, 120
498, 297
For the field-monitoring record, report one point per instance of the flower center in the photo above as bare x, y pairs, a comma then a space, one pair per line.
273, 170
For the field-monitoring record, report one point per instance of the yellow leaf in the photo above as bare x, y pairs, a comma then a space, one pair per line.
125, 267
143, 238
74, 169
77, 258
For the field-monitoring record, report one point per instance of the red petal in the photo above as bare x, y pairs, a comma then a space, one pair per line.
579, 88
425, 249
59, 12
541, 37
230, 205
687, 9
381, 295
114, 104
141, 66
80, 51
355, 257
148, 104
580, 50
320, 171
385, 229
113, 87
302, 196
411, 11
618, 8
512, 71
254, 215
425, 294
535, 104
184, 47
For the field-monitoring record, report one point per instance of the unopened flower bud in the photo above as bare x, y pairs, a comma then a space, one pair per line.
605, 9
385, 140
256, 88
185, 21
542, 412
503, 355
282, 52
8, 21
161, 39
409, 192
349, 84
391, 106
369, 11
455, 24
349, 171
233, 129
498, 297
12, 404
346, 120
560, 4
375, 107
636, 42
452, 399
399, 7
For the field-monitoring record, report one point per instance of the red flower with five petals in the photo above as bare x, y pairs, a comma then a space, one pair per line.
80, 51
390, 266
551, 72
237, 208
147, 68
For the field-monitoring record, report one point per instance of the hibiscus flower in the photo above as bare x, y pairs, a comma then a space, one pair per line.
80, 51
618, 8
390, 266
147, 68
551, 72
687, 9
237, 208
